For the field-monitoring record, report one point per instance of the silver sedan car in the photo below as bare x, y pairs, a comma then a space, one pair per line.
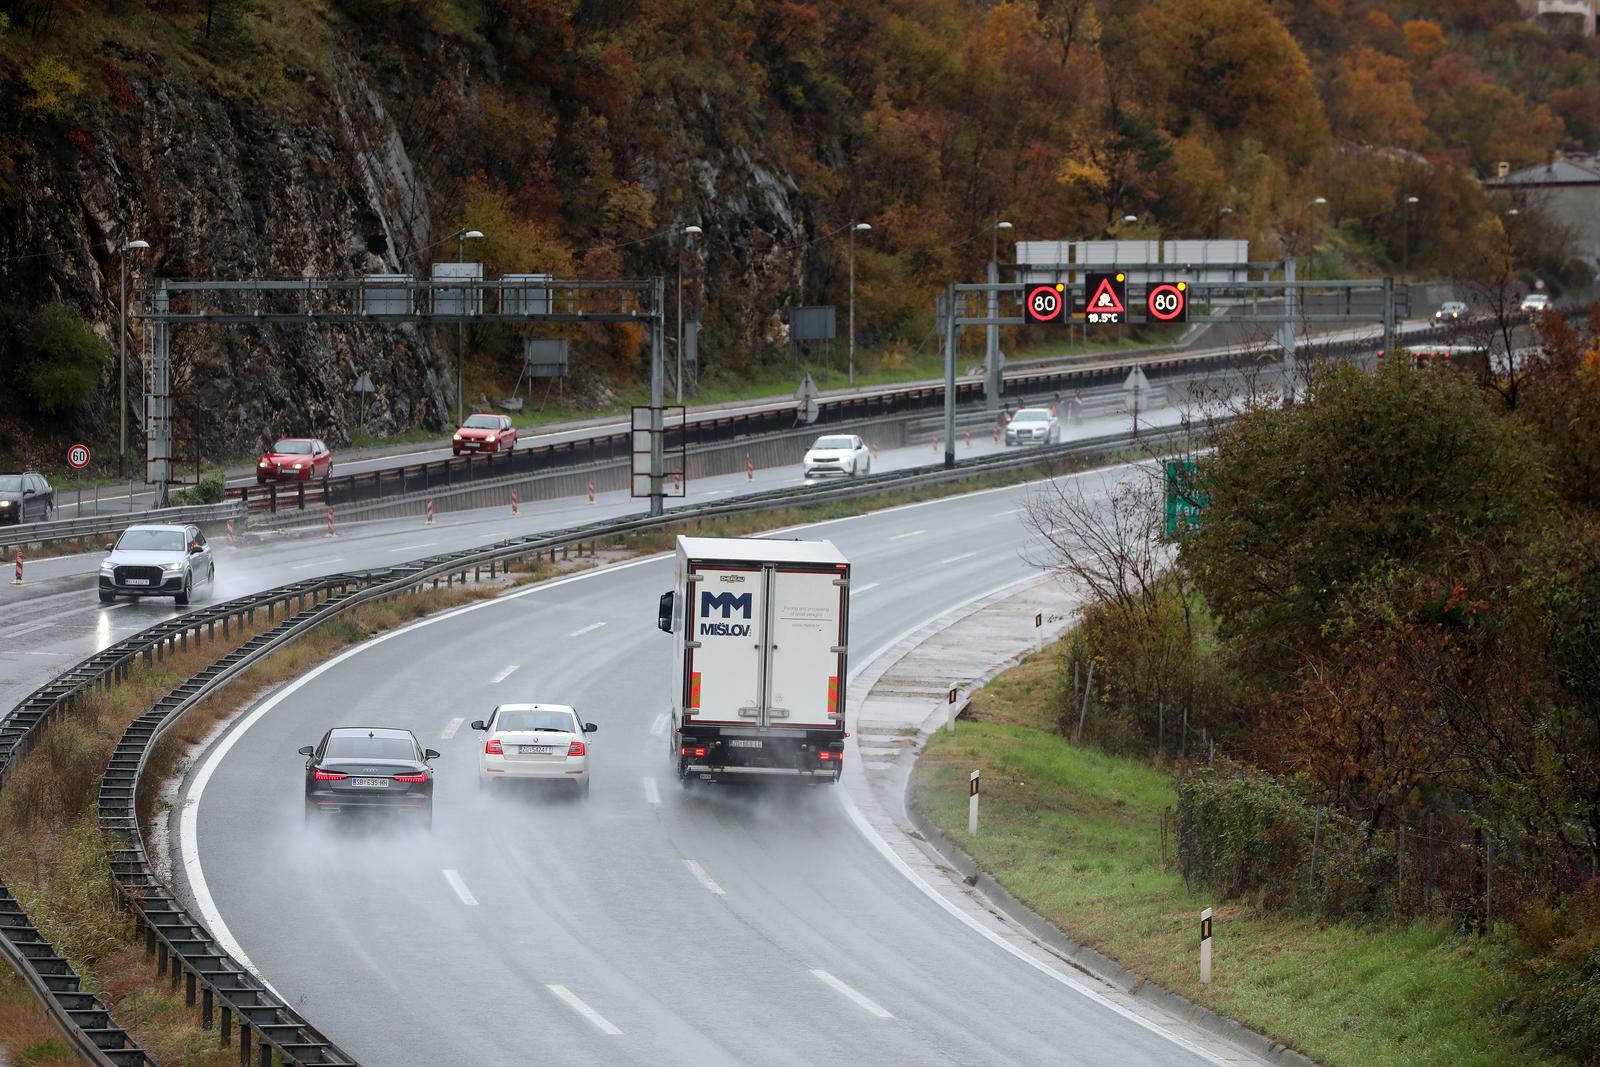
157, 561
1033, 426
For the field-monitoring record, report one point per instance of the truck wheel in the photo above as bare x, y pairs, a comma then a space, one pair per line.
685, 779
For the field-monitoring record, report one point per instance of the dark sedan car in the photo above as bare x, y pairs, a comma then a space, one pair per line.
372, 769
25, 497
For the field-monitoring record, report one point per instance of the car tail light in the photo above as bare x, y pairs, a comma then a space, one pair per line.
411, 777
492, 748
577, 748
697, 751
328, 776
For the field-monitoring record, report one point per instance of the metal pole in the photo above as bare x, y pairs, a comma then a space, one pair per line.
158, 415
657, 391
950, 379
680, 325
1286, 333
461, 328
1405, 240
852, 316
991, 350
122, 364
1388, 315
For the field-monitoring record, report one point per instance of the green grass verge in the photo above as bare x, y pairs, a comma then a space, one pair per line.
1076, 834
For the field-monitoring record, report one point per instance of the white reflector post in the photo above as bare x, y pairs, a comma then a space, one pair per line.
1205, 947
972, 805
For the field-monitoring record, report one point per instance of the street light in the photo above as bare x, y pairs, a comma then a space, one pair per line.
860, 227
122, 345
1405, 236
688, 232
461, 238
1130, 218
1316, 201
994, 243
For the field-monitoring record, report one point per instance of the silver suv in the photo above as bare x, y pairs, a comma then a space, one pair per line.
157, 561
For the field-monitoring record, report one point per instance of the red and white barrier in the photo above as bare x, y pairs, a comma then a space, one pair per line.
430, 511
936, 442
874, 447
513, 500
18, 579
591, 490
969, 438
231, 545
995, 437
677, 481
749, 468
330, 521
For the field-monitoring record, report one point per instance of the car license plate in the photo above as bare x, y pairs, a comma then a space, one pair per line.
285, 470
136, 581
742, 743
370, 783
537, 750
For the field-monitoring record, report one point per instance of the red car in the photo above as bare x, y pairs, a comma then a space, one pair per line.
294, 459
485, 433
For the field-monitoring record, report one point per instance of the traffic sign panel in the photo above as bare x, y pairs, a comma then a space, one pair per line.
78, 457
1168, 302
1108, 299
1045, 303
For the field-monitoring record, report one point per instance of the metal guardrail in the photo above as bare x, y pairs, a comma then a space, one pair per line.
67, 529
180, 943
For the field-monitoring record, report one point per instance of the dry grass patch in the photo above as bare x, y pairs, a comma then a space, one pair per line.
27, 1036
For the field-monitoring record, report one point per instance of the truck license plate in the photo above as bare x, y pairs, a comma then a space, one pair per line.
371, 783
743, 743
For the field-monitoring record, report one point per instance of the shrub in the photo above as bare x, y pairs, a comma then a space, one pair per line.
67, 360
53, 89
210, 490
1556, 953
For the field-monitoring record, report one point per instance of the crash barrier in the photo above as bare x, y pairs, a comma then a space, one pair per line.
66, 529
229, 995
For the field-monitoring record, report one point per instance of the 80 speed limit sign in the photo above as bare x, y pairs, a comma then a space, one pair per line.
1168, 302
1044, 303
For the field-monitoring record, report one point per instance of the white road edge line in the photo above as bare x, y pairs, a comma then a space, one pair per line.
854, 994
408, 548
573, 1001
659, 726
316, 563
703, 878
503, 675
27, 629
913, 533
450, 729
454, 878
591, 628
652, 795
957, 559
858, 590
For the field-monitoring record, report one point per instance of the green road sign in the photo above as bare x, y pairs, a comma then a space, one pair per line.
1184, 499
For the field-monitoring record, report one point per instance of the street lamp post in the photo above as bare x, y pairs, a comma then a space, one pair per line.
1216, 226
1316, 201
1405, 236
688, 232
122, 348
994, 242
461, 238
991, 332
860, 227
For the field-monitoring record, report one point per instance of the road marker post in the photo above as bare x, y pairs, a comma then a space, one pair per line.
330, 522
1205, 947
972, 805
749, 468
1038, 631
430, 511
950, 713
936, 442
591, 490
995, 435
677, 481
969, 438
513, 500
231, 546
18, 579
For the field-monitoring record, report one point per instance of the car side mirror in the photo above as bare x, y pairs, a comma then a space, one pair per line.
429, 753
308, 751
479, 724
111, 548
195, 550
664, 613
28, 492
590, 727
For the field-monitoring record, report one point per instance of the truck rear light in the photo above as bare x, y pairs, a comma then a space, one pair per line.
697, 751
577, 748
411, 777
830, 757
492, 748
328, 776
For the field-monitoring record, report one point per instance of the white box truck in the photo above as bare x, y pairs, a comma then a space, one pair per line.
759, 658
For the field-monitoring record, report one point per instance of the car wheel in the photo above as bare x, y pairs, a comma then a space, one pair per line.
182, 599
868, 468
583, 788
427, 817
310, 815
853, 469
106, 596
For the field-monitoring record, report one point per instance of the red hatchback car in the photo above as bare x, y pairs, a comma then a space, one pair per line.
294, 459
485, 433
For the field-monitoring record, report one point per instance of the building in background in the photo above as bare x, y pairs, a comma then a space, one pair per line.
1560, 14
1565, 192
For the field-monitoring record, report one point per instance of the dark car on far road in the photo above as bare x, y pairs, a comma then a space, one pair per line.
25, 497
373, 769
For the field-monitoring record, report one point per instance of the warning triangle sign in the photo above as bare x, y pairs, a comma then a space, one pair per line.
1105, 298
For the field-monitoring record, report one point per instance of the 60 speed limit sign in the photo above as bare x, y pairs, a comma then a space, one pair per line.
1168, 302
1044, 303
78, 457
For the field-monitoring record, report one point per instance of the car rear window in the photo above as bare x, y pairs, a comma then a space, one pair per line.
370, 748
534, 720
482, 422
150, 541
292, 448
834, 442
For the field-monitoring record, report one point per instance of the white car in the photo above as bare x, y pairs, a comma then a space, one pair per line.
1033, 426
157, 561
1450, 310
537, 741
1536, 302
842, 454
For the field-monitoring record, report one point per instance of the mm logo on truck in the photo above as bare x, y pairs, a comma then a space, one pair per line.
728, 603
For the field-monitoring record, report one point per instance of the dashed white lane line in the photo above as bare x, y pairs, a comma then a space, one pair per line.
957, 559
460, 887
450, 728
703, 878
860, 998
408, 548
659, 726
27, 629
573, 1001
591, 628
858, 590
318, 563
652, 794
913, 533
1014, 511
503, 675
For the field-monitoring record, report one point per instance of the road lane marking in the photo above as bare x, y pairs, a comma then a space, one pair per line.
460, 887
864, 588
957, 559
1014, 511
450, 728
408, 548
913, 533
860, 998
503, 675
573, 1001
659, 727
318, 563
703, 878
587, 629
652, 794
26, 629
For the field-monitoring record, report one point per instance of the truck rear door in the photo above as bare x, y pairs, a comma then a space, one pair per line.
805, 626
724, 660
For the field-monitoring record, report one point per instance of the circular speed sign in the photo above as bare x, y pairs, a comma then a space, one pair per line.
78, 457
1044, 304
1168, 302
